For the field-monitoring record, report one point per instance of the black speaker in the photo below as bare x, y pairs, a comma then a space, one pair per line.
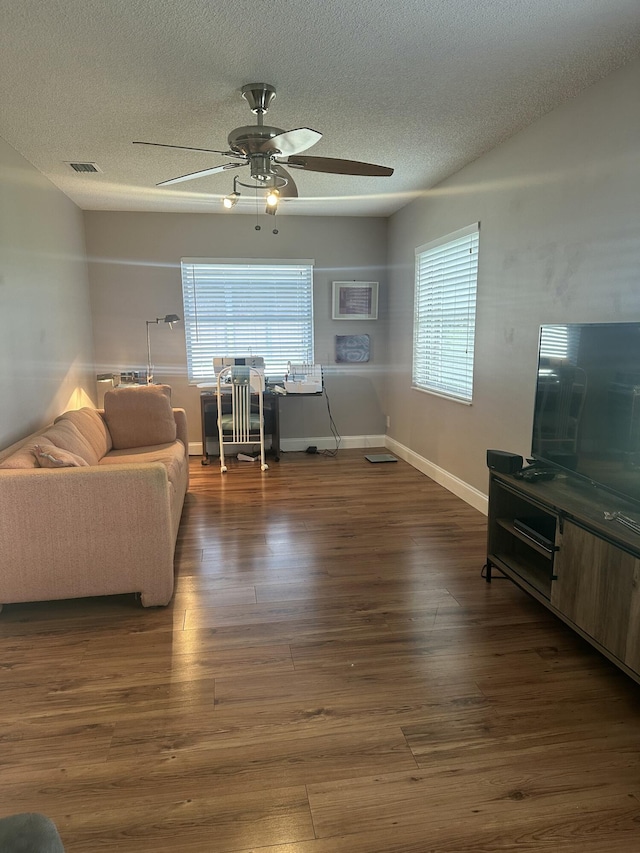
506, 463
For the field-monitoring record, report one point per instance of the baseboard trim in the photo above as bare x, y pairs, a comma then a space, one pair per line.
323, 442
328, 442
453, 484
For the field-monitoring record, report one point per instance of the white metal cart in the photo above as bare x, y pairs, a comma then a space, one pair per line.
240, 409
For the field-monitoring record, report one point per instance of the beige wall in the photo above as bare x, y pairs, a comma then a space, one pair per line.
134, 269
46, 358
560, 241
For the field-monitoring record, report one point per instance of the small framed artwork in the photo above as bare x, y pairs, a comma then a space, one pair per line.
355, 300
352, 349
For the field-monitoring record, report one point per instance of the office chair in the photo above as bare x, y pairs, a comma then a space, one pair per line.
240, 416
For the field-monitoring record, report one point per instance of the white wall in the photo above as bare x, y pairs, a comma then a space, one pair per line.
134, 269
559, 207
46, 357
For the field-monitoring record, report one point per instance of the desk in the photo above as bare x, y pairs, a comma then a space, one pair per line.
271, 408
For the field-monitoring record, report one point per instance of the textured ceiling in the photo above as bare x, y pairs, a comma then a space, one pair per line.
424, 86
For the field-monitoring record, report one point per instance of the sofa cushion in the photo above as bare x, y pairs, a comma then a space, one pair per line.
66, 435
92, 426
140, 417
49, 456
172, 456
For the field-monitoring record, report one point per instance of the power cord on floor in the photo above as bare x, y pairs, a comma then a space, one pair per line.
332, 425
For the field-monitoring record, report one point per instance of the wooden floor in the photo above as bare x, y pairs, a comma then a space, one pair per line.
332, 675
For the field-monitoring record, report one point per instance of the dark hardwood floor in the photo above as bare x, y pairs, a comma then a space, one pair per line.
332, 675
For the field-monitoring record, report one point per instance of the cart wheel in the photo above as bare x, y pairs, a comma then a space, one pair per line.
264, 467
223, 469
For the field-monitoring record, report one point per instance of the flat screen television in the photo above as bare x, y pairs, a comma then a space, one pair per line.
587, 405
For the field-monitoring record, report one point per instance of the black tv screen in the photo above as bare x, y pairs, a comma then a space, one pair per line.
587, 405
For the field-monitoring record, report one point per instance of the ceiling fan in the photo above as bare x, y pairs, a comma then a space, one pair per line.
266, 150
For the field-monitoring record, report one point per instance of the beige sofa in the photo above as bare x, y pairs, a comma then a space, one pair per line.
91, 504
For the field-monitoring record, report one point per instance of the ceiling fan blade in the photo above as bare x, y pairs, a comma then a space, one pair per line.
336, 166
290, 190
291, 142
188, 148
202, 174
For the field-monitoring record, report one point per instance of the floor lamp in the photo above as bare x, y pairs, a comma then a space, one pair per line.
170, 319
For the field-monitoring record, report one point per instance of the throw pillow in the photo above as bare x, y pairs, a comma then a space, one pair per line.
21, 459
140, 417
49, 456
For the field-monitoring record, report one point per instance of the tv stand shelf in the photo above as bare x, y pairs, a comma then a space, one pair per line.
545, 548
553, 539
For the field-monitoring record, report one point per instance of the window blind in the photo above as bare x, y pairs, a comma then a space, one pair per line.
444, 314
238, 308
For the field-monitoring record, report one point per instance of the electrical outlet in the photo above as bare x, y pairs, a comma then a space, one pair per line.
388, 421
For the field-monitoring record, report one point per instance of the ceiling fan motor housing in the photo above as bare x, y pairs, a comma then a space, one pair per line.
251, 138
251, 141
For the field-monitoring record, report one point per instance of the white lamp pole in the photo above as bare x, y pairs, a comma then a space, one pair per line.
170, 319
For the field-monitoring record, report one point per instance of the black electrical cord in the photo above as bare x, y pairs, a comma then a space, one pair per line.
332, 425
500, 577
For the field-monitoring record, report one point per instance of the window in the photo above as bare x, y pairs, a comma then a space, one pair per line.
247, 308
445, 313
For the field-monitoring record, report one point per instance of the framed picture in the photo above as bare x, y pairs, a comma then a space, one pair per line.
355, 300
352, 349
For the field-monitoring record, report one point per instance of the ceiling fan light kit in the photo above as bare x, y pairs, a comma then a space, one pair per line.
231, 200
273, 197
266, 150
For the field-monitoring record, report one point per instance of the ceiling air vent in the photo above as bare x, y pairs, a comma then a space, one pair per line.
84, 167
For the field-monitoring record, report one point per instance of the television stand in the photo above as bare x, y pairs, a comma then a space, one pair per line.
562, 542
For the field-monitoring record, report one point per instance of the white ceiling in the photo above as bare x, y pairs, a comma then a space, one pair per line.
424, 86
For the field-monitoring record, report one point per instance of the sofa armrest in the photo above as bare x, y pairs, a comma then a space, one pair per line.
100, 530
181, 427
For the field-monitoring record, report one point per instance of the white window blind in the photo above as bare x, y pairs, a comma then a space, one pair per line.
238, 308
445, 314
